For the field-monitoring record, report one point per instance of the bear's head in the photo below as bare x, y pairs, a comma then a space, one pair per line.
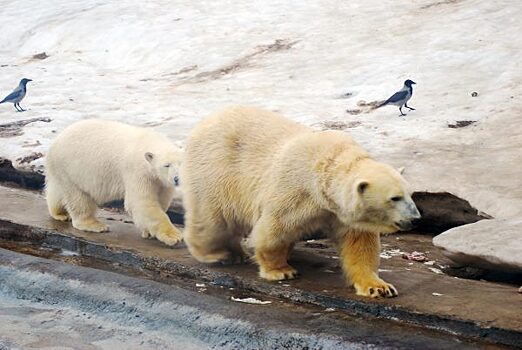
165, 166
376, 198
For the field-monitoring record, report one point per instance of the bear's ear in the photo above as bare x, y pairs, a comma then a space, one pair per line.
149, 157
362, 186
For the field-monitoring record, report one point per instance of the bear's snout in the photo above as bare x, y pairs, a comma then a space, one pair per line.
176, 180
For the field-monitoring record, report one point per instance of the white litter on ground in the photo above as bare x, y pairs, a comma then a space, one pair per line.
250, 301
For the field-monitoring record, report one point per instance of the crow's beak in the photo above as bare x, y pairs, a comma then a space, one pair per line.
413, 82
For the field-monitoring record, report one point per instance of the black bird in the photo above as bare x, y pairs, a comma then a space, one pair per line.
401, 97
17, 95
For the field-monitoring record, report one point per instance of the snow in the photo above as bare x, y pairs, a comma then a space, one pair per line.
159, 63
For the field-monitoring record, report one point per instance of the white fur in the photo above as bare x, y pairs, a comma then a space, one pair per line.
93, 162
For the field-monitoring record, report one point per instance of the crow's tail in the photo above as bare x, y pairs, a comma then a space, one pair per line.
381, 105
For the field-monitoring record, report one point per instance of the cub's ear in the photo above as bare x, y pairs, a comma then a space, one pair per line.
362, 186
149, 157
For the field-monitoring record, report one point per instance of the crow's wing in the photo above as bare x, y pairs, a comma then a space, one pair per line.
12, 96
398, 96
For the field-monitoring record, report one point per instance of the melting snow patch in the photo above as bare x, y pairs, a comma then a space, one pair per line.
250, 301
436, 294
200, 284
437, 271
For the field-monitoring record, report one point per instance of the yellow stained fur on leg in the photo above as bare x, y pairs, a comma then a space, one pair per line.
273, 264
360, 262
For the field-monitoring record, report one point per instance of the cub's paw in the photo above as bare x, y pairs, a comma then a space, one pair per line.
145, 234
375, 288
91, 226
283, 273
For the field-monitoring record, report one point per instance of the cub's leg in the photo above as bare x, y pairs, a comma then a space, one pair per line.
82, 209
360, 260
149, 216
55, 200
272, 249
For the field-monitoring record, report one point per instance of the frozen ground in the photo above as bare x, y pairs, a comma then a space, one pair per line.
168, 64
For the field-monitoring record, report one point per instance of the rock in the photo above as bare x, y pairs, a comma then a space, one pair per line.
489, 244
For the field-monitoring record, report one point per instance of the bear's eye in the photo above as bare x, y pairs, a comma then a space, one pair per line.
396, 198
167, 165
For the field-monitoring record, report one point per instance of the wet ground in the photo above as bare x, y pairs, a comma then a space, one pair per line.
429, 298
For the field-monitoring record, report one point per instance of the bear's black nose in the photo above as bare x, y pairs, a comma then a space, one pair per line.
176, 180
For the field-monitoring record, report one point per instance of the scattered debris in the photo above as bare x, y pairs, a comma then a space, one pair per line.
429, 263
443, 2
372, 104
40, 56
329, 309
346, 95
461, 124
29, 158
437, 294
15, 128
474, 94
388, 254
35, 144
353, 111
415, 256
337, 125
200, 285
250, 301
240, 63
436, 270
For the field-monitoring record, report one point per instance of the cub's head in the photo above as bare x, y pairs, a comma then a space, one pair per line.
377, 199
166, 166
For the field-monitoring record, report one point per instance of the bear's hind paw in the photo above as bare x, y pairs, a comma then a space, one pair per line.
61, 217
91, 226
170, 238
284, 273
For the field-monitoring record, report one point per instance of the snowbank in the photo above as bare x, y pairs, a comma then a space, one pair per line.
168, 64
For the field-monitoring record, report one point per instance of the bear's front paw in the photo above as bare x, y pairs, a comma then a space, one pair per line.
169, 237
375, 288
283, 273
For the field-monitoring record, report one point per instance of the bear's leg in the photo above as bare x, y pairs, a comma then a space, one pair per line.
82, 208
54, 199
271, 252
360, 260
150, 218
209, 240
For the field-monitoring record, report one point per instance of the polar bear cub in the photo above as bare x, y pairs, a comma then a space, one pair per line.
250, 171
93, 162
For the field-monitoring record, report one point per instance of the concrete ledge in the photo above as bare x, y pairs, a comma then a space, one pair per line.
427, 299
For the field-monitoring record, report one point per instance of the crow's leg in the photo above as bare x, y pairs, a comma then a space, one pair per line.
15, 106
21, 109
410, 108
400, 109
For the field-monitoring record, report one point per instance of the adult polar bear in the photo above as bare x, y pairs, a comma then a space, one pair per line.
250, 170
93, 162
